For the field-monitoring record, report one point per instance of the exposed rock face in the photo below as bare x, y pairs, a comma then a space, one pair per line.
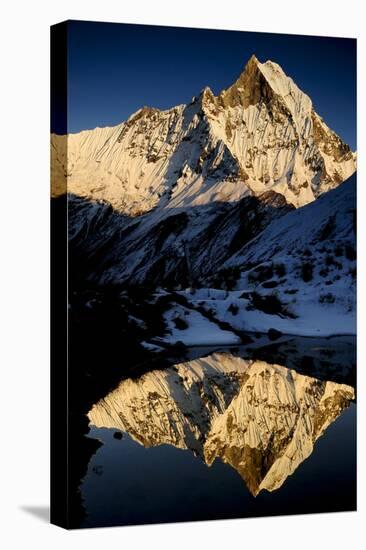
260, 134
262, 419
251, 88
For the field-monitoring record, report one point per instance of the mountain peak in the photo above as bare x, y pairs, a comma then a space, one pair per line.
250, 69
207, 95
249, 88
267, 83
252, 60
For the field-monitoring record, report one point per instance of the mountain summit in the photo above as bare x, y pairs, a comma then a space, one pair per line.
259, 134
249, 89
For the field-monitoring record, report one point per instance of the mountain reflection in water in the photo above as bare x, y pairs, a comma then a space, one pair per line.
261, 418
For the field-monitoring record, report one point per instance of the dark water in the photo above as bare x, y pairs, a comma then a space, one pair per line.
199, 440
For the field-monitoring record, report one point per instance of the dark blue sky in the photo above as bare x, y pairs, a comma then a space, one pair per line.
115, 69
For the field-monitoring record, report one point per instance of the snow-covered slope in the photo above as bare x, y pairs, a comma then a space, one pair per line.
314, 243
260, 418
254, 265
298, 275
260, 134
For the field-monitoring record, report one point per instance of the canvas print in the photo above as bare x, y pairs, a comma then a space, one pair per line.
203, 274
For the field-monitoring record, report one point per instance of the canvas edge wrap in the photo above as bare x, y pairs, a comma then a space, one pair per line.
59, 500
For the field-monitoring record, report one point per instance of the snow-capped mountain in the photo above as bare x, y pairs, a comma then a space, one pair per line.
260, 134
262, 419
244, 192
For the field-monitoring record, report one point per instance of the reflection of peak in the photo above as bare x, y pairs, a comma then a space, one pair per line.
261, 419
272, 424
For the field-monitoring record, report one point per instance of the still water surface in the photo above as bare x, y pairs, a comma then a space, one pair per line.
226, 435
